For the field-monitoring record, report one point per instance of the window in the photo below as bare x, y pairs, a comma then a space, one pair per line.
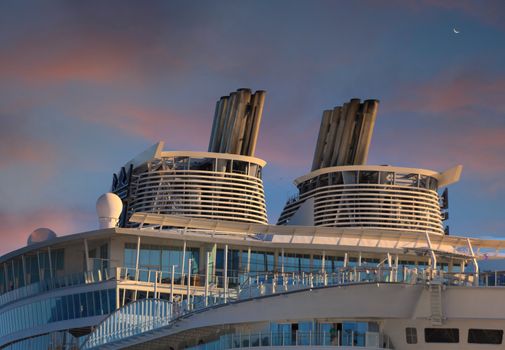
224, 165
350, 177
240, 167
205, 164
485, 336
181, 163
387, 177
368, 177
441, 335
411, 335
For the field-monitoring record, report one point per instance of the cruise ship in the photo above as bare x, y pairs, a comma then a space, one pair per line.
184, 257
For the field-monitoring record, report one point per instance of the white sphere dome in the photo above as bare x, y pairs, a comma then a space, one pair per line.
109, 207
41, 234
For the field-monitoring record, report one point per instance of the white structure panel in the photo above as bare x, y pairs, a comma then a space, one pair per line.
204, 194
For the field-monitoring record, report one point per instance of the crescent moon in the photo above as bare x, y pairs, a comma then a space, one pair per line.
455, 31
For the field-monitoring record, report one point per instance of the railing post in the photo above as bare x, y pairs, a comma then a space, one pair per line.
206, 290
172, 285
155, 284
225, 282
188, 289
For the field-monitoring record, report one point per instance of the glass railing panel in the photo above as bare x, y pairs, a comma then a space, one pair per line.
69, 280
210, 294
287, 339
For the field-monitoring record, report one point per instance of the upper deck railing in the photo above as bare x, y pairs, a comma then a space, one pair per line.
146, 318
256, 283
307, 339
69, 280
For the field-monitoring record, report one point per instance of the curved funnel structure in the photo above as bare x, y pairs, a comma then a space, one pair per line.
345, 134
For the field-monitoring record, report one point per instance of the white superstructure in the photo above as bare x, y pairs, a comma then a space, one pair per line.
379, 197
361, 258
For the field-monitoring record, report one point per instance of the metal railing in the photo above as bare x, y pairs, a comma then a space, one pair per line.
72, 279
258, 284
198, 299
133, 319
297, 338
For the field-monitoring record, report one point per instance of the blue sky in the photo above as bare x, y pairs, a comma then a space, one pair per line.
85, 86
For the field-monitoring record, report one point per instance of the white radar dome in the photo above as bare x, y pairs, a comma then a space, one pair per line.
41, 234
108, 207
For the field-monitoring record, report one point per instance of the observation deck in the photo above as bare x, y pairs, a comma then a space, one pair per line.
208, 185
375, 197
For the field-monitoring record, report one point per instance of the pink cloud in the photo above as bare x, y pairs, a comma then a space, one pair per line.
20, 147
26, 151
152, 124
454, 103
480, 151
452, 94
81, 54
16, 227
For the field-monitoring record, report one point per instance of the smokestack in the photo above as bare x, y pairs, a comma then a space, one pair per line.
321, 140
345, 142
236, 122
345, 134
340, 132
256, 115
330, 138
241, 116
217, 125
229, 121
370, 108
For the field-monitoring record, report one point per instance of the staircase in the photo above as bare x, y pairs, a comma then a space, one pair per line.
436, 303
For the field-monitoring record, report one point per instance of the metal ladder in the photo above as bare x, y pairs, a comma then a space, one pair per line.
436, 303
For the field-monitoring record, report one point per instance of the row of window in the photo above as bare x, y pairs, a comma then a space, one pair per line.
369, 177
55, 340
95, 303
162, 258
451, 335
39, 266
211, 164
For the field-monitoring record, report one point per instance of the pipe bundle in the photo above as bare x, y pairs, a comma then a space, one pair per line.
345, 134
236, 122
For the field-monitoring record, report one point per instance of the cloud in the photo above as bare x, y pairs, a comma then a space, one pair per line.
489, 12
99, 43
454, 118
447, 95
151, 123
21, 147
16, 227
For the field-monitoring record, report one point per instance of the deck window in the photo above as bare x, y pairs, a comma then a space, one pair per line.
368, 177
485, 336
411, 335
441, 335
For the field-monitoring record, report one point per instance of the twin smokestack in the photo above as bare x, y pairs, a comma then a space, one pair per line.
236, 122
345, 134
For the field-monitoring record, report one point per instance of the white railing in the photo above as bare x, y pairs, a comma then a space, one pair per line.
297, 338
137, 318
72, 279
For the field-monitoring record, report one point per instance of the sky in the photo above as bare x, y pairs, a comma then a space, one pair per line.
86, 86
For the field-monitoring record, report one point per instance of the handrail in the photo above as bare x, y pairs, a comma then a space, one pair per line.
297, 338
350, 274
259, 285
72, 279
